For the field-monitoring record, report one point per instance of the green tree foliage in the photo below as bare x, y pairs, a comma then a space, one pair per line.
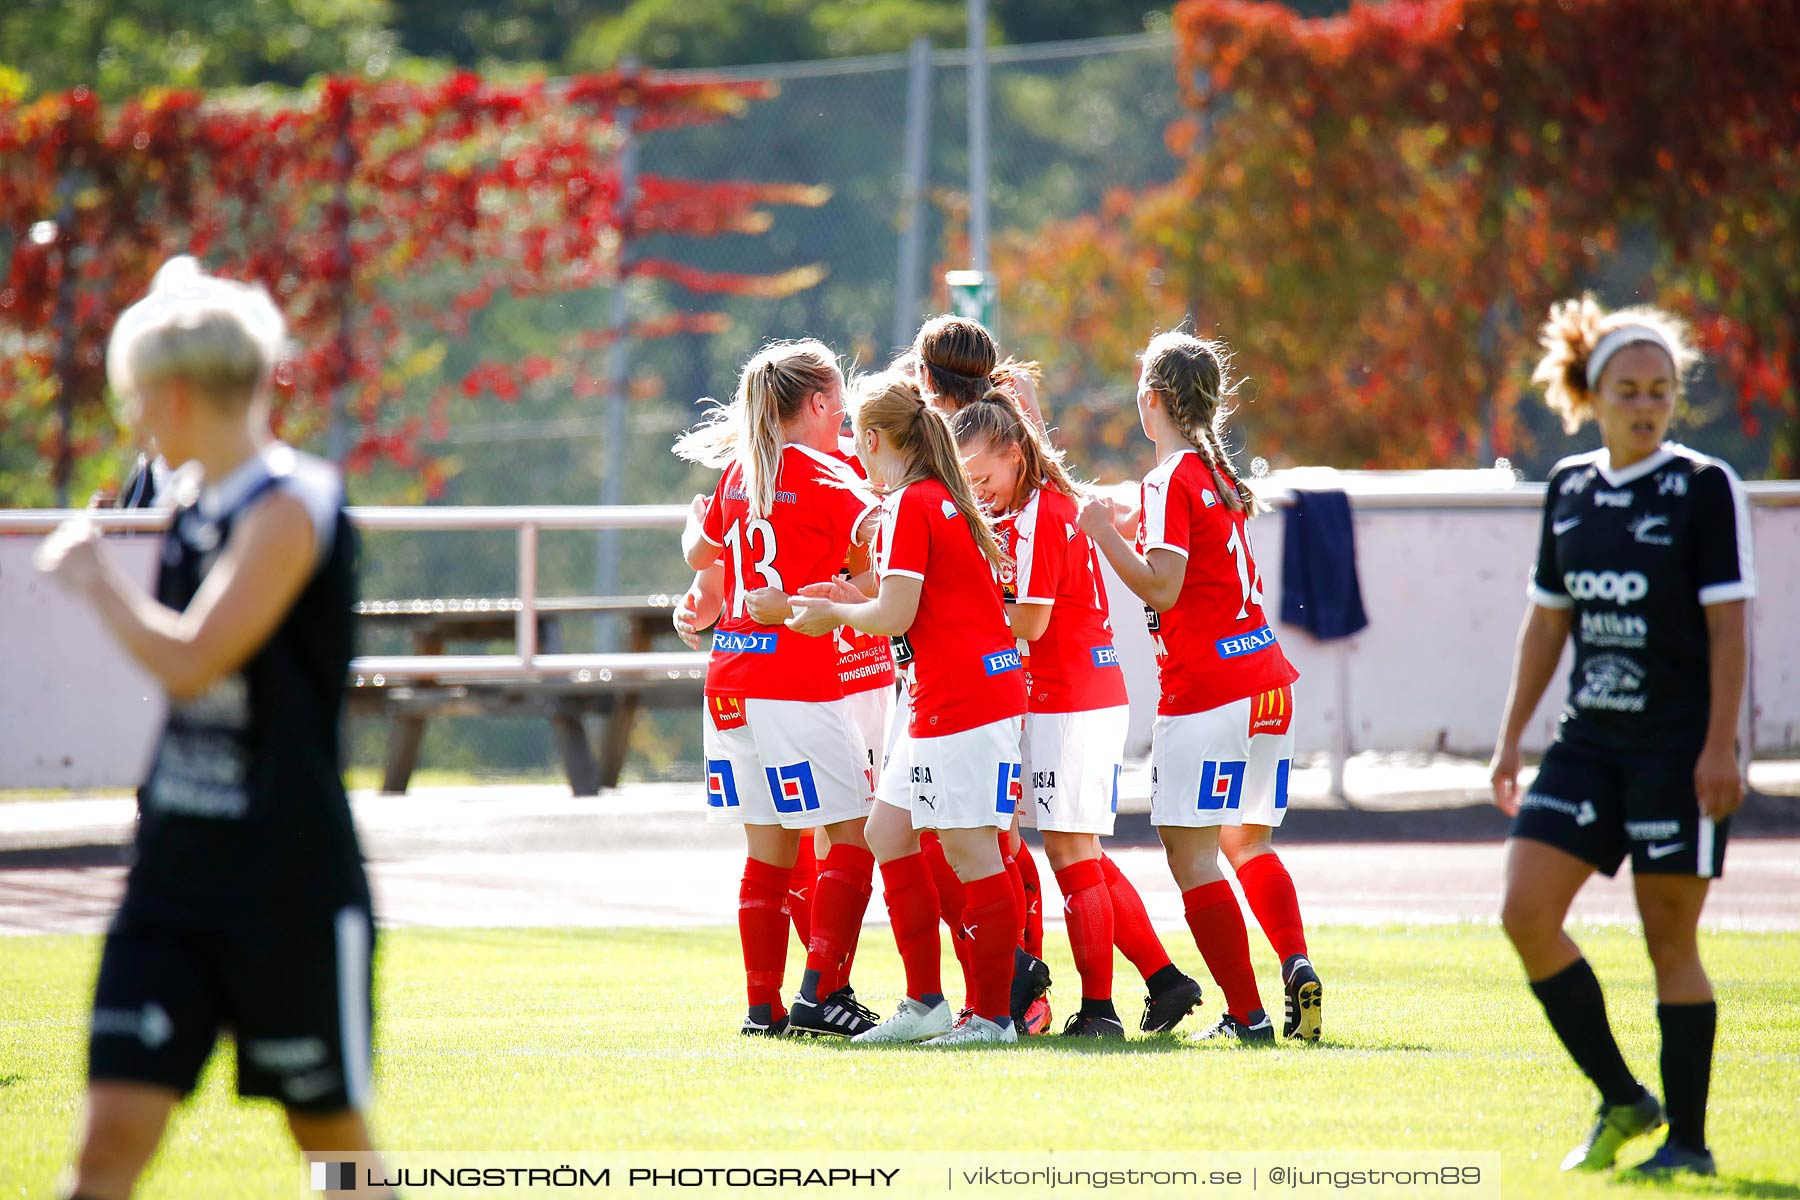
123, 47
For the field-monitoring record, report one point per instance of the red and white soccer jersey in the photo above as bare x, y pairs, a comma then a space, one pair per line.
802, 540
1073, 666
1215, 645
966, 670
865, 661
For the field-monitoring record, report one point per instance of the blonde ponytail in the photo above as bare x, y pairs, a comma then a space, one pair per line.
772, 390
996, 422
896, 409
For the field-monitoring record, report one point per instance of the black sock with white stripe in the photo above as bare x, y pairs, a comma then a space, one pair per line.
809, 987
1577, 1010
1688, 1031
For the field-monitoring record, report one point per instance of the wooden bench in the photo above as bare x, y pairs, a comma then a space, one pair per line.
433, 626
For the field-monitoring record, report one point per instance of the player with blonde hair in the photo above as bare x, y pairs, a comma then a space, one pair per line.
246, 907
1644, 557
936, 563
783, 749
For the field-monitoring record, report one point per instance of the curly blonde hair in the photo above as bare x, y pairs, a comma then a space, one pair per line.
1569, 336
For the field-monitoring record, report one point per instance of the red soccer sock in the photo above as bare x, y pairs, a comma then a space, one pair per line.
912, 904
1218, 925
1034, 900
991, 920
1087, 907
842, 898
1015, 879
803, 885
950, 905
1270, 890
763, 932
1132, 932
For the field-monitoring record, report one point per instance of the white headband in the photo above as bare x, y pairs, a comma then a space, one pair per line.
1617, 340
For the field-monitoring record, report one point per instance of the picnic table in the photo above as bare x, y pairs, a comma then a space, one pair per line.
434, 626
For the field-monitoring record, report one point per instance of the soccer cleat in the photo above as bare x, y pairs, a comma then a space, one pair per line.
838, 1015
1616, 1126
1304, 1015
1031, 979
1671, 1159
1090, 1025
1254, 1030
1037, 1017
753, 1027
1164, 1010
975, 1031
911, 1022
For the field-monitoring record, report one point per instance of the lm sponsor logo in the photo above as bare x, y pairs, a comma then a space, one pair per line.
1620, 587
1246, 643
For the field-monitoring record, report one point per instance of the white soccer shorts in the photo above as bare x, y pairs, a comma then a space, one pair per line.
794, 763
895, 783
1071, 769
1209, 768
967, 780
872, 711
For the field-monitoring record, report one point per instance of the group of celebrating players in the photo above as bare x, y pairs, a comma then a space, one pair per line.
949, 527
945, 544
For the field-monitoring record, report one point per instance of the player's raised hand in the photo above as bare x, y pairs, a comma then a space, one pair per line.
71, 555
1096, 515
767, 606
1718, 783
814, 616
1503, 775
838, 590
687, 620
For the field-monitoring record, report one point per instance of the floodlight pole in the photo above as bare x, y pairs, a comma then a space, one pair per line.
912, 194
978, 136
618, 368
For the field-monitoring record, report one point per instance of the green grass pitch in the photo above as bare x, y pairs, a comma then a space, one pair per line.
610, 1040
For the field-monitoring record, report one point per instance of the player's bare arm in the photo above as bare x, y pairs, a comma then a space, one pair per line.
1155, 578
1540, 647
1718, 780
244, 598
822, 607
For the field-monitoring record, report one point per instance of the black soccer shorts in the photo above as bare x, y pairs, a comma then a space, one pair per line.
297, 1002
1600, 807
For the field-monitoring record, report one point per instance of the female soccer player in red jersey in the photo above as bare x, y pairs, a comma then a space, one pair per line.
1076, 712
936, 561
781, 741
1223, 739
956, 363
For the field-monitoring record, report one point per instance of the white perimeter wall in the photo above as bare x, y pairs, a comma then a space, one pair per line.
1444, 588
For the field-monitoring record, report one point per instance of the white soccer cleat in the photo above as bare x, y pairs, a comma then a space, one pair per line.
976, 1031
913, 1021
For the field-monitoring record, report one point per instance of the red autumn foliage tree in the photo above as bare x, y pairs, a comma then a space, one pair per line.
381, 216
1377, 208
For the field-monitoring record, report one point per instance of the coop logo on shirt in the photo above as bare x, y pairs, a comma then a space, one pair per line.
1246, 643
1002, 662
743, 643
1621, 588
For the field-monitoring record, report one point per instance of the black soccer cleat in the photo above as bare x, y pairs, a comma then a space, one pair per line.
1165, 1008
1031, 979
837, 1015
1092, 1025
757, 1023
1254, 1030
1671, 1160
1304, 1015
